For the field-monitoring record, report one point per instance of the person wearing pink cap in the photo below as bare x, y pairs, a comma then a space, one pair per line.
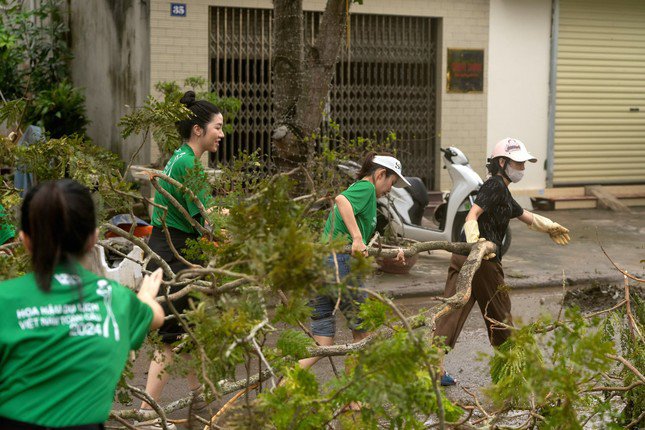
488, 219
353, 219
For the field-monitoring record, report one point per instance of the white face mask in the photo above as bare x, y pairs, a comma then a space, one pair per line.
514, 175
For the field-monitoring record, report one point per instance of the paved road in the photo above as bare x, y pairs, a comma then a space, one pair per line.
534, 268
533, 260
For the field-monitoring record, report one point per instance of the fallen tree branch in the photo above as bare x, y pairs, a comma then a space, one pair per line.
628, 365
464, 282
197, 226
615, 265
226, 387
154, 174
143, 245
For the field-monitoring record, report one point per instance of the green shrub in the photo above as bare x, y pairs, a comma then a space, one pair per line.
59, 110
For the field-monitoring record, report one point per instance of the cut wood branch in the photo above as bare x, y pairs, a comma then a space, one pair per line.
168, 273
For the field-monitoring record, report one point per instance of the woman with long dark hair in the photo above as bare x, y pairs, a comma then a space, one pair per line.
65, 333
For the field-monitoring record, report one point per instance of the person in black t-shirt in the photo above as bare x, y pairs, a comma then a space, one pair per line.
487, 220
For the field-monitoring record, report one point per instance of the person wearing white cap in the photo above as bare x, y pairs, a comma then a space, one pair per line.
488, 219
354, 220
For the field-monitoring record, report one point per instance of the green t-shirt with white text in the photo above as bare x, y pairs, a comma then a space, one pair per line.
362, 196
63, 352
182, 161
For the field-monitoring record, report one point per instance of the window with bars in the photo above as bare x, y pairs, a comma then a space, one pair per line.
385, 82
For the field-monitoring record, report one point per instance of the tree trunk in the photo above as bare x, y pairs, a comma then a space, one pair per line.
288, 60
301, 85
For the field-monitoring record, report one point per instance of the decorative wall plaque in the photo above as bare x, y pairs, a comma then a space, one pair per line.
465, 70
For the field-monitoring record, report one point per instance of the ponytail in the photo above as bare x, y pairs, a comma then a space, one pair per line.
368, 167
59, 218
494, 168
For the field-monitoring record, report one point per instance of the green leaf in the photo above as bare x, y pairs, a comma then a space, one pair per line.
294, 343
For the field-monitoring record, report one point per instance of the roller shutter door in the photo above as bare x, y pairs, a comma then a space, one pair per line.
600, 96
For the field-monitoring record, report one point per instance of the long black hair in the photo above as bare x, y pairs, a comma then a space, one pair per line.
202, 113
369, 166
59, 218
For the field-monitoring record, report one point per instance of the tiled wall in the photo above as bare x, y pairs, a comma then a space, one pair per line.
179, 49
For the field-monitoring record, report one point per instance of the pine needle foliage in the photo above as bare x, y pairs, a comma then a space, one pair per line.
555, 383
390, 379
633, 349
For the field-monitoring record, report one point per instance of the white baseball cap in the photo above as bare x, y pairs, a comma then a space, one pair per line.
394, 165
513, 149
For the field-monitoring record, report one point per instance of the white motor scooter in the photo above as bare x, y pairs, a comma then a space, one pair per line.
403, 208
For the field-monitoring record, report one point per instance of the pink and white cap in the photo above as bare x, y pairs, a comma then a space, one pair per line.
513, 149
394, 165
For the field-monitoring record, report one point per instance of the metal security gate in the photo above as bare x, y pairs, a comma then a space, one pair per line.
600, 99
385, 82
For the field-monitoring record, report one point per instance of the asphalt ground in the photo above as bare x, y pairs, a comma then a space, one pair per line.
535, 268
533, 260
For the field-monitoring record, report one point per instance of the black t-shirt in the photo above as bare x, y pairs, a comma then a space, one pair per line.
499, 207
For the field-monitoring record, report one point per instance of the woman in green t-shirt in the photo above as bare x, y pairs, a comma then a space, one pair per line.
201, 132
65, 333
354, 219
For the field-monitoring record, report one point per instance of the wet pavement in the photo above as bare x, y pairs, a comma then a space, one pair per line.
533, 260
534, 268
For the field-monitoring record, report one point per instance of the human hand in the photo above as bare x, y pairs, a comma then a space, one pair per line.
400, 256
150, 285
359, 247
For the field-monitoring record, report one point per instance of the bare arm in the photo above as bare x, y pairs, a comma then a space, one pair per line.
148, 293
526, 217
474, 213
347, 214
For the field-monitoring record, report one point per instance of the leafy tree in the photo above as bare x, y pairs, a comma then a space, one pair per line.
34, 68
33, 41
302, 74
557, 373
59, 110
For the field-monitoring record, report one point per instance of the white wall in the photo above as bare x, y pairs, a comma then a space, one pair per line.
110, 43
518, 81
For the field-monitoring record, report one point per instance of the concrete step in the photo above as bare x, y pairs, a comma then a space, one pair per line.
575, 197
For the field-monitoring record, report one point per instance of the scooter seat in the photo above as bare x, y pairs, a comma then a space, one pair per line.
418, 191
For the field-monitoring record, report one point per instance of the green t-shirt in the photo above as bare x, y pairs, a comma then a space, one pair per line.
179, 164
7, 231
61, 356
362, 196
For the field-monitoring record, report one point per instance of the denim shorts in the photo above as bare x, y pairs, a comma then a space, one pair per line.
323, 323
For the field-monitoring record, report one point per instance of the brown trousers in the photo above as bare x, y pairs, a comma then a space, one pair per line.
492, 302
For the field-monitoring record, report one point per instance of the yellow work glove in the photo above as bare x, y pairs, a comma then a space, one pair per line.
558, 234
471, 228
